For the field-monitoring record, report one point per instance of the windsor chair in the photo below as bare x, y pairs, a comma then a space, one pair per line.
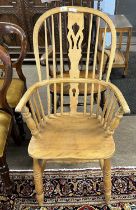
18, 84
72, 135
6, 119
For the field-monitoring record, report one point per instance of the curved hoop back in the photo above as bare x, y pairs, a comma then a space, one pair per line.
95, 57
76, 16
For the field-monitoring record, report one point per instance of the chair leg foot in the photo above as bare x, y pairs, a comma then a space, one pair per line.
107, 180
37, 169
40, 199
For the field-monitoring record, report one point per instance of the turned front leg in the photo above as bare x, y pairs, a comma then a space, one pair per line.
38, 180
107, 180
30, 122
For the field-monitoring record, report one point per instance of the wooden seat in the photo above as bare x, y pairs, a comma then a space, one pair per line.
74, 135
18, 84
83, 138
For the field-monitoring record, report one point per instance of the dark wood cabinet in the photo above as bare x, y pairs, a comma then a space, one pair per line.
25, 13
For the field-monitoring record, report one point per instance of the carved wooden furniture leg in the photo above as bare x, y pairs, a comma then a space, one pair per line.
4, 171
107, 180
37, 170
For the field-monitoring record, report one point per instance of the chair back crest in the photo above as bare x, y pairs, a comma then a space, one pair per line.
75, 18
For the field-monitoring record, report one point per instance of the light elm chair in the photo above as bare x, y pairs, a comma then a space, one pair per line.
73, 135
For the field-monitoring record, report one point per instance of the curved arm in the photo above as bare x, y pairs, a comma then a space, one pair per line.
120, 98
5, 58
115, 90
10, 28
26, 97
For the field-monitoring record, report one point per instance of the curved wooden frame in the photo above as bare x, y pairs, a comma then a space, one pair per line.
10, 28
24, 100
73, 9
101, 64
5, 58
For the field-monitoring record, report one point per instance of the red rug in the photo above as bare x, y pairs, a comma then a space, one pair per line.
72, 190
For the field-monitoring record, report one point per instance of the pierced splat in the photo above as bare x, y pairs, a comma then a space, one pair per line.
75, 28
75, 38
74, 91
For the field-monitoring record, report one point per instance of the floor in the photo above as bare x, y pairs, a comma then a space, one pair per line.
125, 138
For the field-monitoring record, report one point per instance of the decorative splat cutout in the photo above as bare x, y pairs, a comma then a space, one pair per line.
75, 28
74, 91
75, 38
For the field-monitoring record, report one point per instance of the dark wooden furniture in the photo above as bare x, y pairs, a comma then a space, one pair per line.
6, 119
25, 13
18, 85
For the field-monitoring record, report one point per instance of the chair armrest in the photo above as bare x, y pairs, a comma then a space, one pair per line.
120, 98
32, 114
25, 98
114, 108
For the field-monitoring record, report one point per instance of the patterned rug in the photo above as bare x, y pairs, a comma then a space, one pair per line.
72, 190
